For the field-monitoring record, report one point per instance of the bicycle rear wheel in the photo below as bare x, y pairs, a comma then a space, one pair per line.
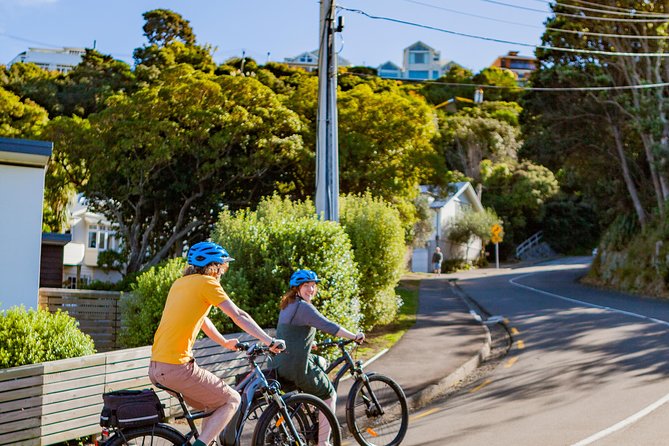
156, 435
377, 412
303, 412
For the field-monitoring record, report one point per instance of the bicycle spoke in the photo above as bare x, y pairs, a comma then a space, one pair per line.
379, 417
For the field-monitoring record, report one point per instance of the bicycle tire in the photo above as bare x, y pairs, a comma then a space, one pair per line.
303, 410
156, 435
369, 428
252, 419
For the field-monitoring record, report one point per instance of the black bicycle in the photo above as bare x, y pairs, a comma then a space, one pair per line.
376, 409
281, 419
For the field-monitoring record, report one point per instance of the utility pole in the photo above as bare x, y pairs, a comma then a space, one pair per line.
327, 147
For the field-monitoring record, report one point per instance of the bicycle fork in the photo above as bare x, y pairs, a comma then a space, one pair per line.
285, 419
370, 398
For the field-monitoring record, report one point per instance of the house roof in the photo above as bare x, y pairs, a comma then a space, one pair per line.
420, 46
53, 238
25, 152
389, 66
461, 188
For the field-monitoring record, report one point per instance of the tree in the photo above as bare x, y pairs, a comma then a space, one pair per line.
633, 120
517, 192
169, 156
20, 119
471, 224
28, 81
470, 137
385, 143
85, 88
498, 77
171, 42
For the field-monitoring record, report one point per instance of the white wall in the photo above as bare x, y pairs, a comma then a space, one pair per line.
21, 192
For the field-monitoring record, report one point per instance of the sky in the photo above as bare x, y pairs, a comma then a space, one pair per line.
275, 29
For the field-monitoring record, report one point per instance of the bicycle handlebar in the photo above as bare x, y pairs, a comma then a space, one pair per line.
253, 349
330, 343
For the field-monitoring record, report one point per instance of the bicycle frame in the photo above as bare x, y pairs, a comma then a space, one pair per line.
255, 380
351, 366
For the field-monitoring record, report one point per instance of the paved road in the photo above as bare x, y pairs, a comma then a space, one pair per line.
587, 367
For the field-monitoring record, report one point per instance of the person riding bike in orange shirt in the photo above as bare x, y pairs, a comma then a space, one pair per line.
189, 301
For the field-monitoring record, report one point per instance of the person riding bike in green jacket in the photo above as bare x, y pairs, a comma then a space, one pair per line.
298, 321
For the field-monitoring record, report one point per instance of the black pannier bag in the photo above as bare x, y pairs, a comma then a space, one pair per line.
131, 408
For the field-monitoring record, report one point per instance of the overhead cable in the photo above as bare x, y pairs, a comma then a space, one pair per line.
578, 16
509, 42
567, 31
608, 7
548, 89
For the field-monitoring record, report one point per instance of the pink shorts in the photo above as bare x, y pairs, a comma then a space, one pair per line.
200, 388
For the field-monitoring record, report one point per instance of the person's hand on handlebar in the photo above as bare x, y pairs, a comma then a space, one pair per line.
277, 345
359, 338
231, 344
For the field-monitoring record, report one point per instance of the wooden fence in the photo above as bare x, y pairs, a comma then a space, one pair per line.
51, 402
97, 312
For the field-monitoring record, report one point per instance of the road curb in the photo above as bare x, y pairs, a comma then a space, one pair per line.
434, 391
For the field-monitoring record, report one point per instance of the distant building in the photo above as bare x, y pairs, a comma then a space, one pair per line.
91, 234
521, 66
62, 59
447, 207
390, 70
309, 61
419, 62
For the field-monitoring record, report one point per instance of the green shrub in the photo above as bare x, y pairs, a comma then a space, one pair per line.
269, 244
142, 309
570, 227
33, 336
377, 237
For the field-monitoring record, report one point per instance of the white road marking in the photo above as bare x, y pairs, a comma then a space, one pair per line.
587, 304
633, 418
624, 423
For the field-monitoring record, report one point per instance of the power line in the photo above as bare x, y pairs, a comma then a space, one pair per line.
21, 39
567, 31
602, 11
509, 42
609, 7
577, 16
523, 88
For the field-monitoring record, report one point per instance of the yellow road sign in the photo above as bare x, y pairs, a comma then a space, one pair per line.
496, 229
496, 238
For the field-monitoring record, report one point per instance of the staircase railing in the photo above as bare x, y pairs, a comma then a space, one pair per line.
528, 244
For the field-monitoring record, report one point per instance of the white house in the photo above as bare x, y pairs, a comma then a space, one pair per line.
309, 61
91, 234
61, 59
463, 198
22, 167
419, 62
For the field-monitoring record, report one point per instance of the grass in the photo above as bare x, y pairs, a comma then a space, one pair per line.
386, 336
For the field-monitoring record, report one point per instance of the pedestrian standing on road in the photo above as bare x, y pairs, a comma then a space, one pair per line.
298, 321
437, 258
189, 301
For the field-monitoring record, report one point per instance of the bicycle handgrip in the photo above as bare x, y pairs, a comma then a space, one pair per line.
242, 346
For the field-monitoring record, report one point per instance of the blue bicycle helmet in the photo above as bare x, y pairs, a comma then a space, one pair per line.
303, 276
203, 253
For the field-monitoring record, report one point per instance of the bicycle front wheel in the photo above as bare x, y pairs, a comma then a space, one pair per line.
377, 412
156, 435
295, 423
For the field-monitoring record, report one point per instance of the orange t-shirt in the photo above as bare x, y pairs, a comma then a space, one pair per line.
188, 303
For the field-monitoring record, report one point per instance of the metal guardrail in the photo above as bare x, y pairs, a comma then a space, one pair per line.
528, 244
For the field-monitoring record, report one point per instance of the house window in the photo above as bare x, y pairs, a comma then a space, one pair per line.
71, 282
417, 58
101, 237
